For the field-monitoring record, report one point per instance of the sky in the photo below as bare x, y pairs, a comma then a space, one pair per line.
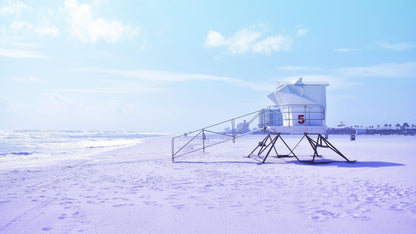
174, 66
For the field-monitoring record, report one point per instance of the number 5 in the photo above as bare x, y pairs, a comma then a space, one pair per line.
301, 119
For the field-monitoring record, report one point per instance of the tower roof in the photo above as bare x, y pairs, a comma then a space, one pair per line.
299, 92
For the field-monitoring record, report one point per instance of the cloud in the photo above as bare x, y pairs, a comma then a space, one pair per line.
87, 28
157, 78
242, 41
245, 41
21, 26
302, 32
57, 97
299, 68
23, 44
214, 39
120, 88
26, 79
270, 44
387, 70
13, 53
400, 46
396, 46
12, 8
51, 31
65, 108
345, 50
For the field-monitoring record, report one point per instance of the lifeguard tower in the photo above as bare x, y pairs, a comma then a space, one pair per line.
303, 111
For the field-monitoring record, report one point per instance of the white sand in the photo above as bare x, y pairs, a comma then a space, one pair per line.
138, 190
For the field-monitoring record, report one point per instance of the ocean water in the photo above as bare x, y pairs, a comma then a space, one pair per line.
29, 144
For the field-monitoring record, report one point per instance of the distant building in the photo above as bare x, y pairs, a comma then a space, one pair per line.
243, 127
270, 117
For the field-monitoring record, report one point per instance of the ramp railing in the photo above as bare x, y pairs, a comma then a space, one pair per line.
215, 134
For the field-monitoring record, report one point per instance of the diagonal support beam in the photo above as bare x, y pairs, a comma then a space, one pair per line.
322, 142
268, 144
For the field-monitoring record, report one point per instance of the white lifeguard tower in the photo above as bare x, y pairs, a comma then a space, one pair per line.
303, 111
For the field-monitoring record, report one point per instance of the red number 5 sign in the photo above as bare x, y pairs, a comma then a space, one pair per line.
301, 119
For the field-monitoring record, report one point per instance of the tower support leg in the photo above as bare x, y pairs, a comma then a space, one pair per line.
324, 143
268, 144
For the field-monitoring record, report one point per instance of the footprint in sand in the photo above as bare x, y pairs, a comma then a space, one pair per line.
320, 215
352, 198
399, 207
413, 209
361, 217
120, 198
47, 228
179, 207
151, 203
404, 207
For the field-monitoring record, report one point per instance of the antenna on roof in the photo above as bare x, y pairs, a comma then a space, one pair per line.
299, 81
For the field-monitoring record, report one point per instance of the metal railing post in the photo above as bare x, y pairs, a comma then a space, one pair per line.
203, 140
173, 149
233, 127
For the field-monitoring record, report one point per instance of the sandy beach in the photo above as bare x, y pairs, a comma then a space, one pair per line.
138, 189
